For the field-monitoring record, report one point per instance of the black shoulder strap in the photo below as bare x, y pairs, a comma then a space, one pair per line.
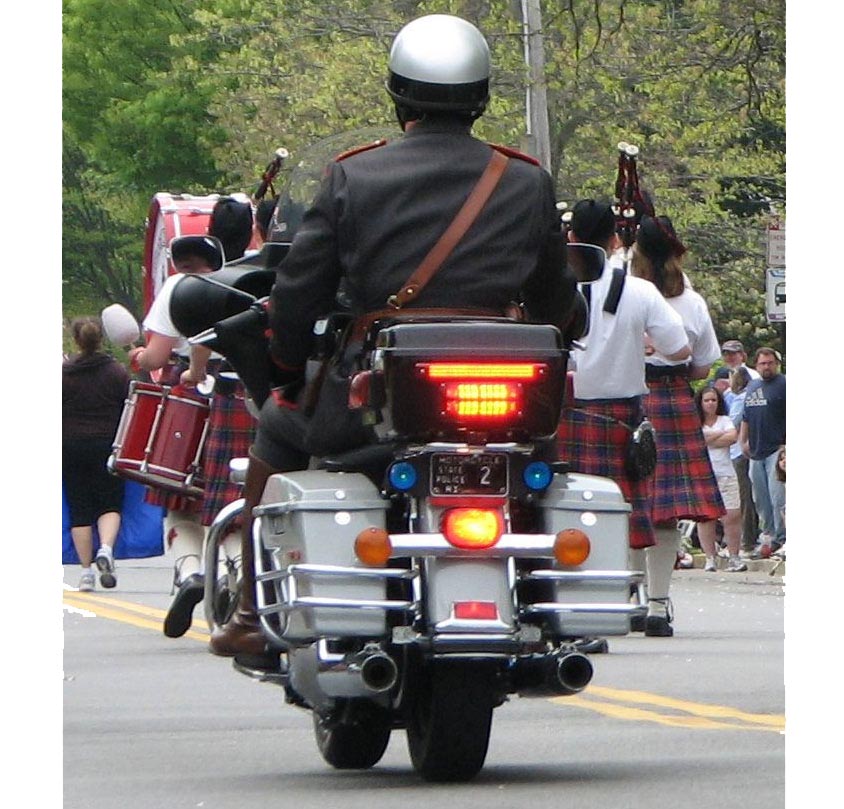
619, 274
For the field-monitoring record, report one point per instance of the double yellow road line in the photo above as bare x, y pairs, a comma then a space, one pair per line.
126, 612
642, 706
636, 706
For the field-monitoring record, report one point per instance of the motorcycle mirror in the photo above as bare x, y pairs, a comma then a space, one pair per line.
586, 261
119, 325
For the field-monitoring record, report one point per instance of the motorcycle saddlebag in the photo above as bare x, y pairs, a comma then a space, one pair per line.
312, 518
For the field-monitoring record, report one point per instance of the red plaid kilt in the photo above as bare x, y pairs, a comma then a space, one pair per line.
230, 434
594, 445
684, 486
231, 430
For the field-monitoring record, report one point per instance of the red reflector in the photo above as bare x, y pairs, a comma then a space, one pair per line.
472, 528
482, 370
476, 610
359, 390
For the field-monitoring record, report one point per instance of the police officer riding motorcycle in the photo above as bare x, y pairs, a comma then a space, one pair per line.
412, 552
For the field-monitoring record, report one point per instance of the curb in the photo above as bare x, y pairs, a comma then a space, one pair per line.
772, 567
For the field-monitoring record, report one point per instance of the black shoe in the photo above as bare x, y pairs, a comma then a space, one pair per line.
658, 626
637, 623
592, 646
180, 614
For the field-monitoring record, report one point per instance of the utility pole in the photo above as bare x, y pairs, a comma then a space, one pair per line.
536, 101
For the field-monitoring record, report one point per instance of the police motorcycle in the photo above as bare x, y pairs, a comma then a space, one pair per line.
419, 582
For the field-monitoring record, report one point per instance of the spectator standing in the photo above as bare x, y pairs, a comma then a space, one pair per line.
734, 356
739, 380
94, 389
721, 382
720, 435
780, 552
609, 375
762, 434
684, 486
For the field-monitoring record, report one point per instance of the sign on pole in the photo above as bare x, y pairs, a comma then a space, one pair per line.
775, 294
775, 274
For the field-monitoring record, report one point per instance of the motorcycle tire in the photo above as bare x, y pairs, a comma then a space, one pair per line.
354, 738
450, 721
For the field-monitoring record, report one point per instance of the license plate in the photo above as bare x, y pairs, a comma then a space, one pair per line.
453, 474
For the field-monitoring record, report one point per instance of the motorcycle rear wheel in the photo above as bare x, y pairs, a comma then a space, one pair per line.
450, 721
353, 738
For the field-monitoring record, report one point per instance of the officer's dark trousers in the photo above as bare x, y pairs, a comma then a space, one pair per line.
280, 437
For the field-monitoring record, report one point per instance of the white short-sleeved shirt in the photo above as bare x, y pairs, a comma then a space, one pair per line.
719, 457
158, 318
693, 310
612, 365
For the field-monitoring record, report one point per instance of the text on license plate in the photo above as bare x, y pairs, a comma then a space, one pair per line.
485, 473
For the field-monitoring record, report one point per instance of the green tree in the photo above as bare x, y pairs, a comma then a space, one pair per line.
105, 228
698, 85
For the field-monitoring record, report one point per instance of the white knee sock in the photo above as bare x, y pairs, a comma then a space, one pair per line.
185, 536
660, 559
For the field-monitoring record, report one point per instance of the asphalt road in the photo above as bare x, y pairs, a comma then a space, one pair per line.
692, 721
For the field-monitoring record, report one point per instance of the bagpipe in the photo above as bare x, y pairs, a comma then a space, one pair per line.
269, 175
631, 203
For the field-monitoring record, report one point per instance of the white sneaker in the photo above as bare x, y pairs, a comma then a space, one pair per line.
736, 565
711, 565
105, 564
86, 582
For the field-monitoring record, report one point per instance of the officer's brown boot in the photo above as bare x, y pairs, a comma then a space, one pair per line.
242, 635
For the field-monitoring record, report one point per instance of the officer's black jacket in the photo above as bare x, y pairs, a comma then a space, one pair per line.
377, 214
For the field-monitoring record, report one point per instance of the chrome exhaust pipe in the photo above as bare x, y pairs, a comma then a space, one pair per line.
551, 675
378, 672
574, 672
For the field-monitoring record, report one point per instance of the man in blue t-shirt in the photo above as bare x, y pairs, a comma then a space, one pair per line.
762, 434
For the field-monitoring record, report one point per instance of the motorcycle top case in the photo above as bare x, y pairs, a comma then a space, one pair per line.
597, 506
515, 372
312, 518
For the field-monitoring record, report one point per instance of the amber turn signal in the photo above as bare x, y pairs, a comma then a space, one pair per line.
373, 547
571, 547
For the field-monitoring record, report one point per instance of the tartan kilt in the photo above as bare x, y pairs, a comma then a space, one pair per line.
684, 486
594, 445
231, 431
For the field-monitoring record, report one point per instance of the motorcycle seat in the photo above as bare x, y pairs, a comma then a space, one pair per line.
371, 460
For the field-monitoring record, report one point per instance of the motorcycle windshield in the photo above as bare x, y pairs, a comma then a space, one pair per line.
303, 179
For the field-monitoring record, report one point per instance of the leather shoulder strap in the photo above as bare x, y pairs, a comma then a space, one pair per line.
448, 241
515, 153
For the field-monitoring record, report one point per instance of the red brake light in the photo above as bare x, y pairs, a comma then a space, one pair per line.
483, 370
482, 390
472, 528
485, 399
476, 610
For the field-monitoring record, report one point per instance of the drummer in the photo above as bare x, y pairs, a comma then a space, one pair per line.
229, 435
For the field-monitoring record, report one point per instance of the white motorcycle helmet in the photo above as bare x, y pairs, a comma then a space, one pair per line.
440, 63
